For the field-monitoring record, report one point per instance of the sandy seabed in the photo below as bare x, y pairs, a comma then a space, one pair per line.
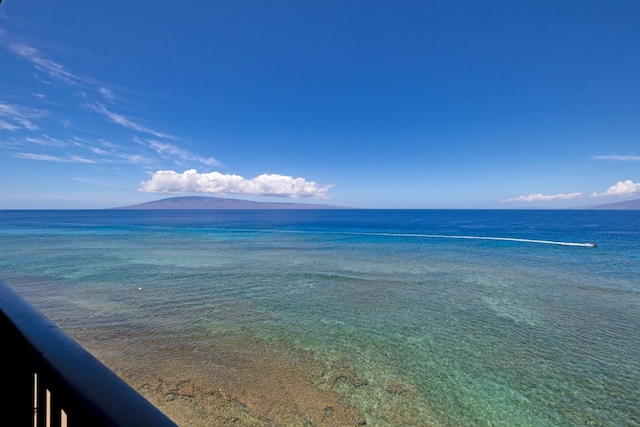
230, 382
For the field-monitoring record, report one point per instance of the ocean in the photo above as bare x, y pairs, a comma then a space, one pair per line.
344, 317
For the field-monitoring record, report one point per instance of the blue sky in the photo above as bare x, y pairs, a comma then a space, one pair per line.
371, 104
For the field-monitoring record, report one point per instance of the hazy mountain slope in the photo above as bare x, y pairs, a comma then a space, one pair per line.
201, 202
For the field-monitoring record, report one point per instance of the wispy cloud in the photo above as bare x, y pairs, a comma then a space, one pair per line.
617, 157
43, 64
112, 153
75, 150
100, 100
93, 181
7, 126
50, 158
107, 93
10, 143
83, 86
17, 117
46, 141
136, 159
621, 188
173, 152
190, 181
128, 123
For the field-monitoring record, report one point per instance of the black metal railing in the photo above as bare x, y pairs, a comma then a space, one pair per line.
49, 380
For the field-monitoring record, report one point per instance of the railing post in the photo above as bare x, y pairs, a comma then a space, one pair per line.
55, 411
75, 381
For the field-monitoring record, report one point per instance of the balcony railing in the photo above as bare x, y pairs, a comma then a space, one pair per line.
49, 380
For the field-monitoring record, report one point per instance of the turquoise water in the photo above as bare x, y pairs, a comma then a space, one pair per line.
459, 318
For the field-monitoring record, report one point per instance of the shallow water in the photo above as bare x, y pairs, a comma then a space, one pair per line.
416, 317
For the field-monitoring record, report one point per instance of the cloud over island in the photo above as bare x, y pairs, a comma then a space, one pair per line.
621, 188
191, 181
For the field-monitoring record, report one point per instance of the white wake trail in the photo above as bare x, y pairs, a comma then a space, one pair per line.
506, 239
440, 236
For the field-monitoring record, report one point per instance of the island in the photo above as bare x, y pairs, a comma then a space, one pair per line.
204, 202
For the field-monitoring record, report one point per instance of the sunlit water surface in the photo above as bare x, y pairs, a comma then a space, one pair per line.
439, 315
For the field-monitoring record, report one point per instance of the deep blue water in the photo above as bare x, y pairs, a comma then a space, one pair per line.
461, 317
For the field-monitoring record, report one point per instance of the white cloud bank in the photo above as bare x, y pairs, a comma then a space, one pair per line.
621, 188
190, 181
545, 198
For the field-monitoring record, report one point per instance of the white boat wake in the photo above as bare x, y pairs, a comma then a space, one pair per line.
441, 236
506, 239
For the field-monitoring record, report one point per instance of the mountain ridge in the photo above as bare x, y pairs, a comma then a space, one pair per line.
625, 205
215, 203
207, 202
